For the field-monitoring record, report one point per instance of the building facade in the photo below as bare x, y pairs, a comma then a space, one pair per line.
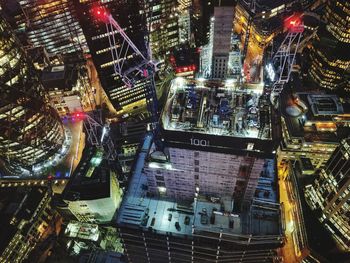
330, 66
127, 14
30, 130
52, 25
329, 195
162, 18
157, 229
215, 56
93, 193
28, 226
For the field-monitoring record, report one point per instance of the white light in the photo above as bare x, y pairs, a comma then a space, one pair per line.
201, 79
179, 81
104, 131
153, 165
161, 189
270, 71
230, 81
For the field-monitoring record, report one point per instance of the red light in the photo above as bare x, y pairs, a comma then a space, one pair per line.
293, 23
50, 177
100, 13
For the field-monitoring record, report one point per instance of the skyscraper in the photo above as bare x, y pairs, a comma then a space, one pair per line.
30, 130
127, 14
51, 24
330, 65
329, 195
163, 25
209, 195
215, 55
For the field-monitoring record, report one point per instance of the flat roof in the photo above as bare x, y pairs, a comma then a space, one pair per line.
202, 107
314, 116
138, 209
219, 113
91, 178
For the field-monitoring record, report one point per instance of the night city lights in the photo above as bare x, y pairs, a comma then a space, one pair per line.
174, 131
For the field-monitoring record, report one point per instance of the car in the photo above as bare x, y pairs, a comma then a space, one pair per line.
177, 226
170, 216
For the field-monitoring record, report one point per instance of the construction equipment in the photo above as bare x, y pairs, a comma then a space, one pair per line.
143, 71
97, 132
284, 58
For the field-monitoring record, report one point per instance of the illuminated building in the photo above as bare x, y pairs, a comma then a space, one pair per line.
184, 61
51, 24
329, 63
202, 11
209, 195
217, 57
30, 130
25, 222
312, 126
329, 195
267, 19
127, 14
163, 25
93, 193
185, 23
65, 88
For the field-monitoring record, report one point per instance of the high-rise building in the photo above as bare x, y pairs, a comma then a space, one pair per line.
30, 130
208, 196
27, 219
330, 65
329, 195
202, 11
127, 14
185, 21
162, 18
215, 56
50, 24
93, 194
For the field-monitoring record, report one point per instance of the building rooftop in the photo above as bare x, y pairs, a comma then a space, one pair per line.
82, 231
62, 77
139, 209
218, 110
91, 178
315, 116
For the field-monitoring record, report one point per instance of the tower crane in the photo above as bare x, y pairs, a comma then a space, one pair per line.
284, 58
144, 70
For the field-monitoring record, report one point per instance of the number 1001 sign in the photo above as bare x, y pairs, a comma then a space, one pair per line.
198, 142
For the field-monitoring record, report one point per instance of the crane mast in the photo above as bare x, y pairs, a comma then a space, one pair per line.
284, 58
144, 70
